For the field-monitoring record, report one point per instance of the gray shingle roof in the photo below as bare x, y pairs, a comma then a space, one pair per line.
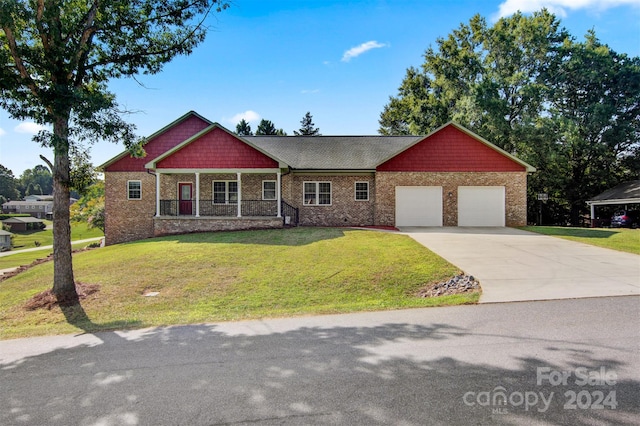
626, 190
332, 152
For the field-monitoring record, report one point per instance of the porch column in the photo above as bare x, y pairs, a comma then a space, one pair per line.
593, 215
278, 195
158, 194
197, 194
239, 194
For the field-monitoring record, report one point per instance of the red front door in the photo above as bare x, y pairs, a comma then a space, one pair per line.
186, 203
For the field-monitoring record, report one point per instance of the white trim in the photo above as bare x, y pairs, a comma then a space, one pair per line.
227, 201
239, 194
278, 192
317, 194
197, 194
158, 194
129, 190
355, 190
216, 171
275, 188
616, 201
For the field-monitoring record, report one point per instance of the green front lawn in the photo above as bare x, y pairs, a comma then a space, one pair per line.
231, 276
620, 239
27, 239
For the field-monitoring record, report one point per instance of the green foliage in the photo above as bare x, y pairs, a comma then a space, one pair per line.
243, 128
571, 109
307, 127
8, 185
90, 207
36, 181
266, 127
57, 59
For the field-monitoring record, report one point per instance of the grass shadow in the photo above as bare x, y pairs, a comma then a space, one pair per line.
75, 315
298, 236
572, 232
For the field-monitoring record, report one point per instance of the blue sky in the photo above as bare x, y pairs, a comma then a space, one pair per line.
339, 60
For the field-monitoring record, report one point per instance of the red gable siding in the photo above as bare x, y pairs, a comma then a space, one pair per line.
217, 149
450, 150
160, 144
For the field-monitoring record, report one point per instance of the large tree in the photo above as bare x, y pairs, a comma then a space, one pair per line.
36, 181
568, 108
307, 128
8, 185
57, 58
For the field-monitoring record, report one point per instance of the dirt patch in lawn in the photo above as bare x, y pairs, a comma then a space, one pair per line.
48, 300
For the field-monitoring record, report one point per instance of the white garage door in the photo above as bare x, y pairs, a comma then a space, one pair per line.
481, 206
418, 206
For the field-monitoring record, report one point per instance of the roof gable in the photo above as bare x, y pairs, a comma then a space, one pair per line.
214, 148
453, 148
164, 139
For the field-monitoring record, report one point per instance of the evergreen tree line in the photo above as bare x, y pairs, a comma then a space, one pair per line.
266, 127
569, 108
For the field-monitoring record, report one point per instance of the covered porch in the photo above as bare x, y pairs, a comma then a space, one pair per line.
220, 199
218, 193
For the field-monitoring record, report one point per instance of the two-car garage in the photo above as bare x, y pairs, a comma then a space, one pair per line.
476, 205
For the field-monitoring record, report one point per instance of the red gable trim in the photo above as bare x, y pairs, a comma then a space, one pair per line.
454, 149
214, 148
161, 141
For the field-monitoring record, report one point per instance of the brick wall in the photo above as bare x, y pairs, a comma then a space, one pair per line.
515, 184
185, 225
128, 220
344, 209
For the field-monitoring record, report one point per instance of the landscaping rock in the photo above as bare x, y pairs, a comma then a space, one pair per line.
459, 284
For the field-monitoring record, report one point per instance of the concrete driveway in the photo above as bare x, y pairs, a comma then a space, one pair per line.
515, 265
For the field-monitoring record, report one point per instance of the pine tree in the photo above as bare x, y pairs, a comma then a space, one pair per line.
307, 127
243, 128
266, 127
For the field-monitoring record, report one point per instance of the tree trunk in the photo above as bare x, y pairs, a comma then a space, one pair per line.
64, 286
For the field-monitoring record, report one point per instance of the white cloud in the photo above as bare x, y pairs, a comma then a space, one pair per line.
248, 116
359, 50
2, 132
28, 127
308, 91
558, 7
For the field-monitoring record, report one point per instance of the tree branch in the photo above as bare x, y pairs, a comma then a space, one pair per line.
24, 74
43, 158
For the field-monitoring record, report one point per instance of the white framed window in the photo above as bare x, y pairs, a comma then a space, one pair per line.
225, 192
362, 191
317, 193
134, 190
269, 190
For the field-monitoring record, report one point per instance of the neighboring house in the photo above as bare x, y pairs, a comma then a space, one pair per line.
5, 240
38, 198
23, 223
199, 176
33, 207
624, 194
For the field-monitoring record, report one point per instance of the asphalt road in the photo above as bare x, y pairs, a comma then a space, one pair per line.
567, 362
